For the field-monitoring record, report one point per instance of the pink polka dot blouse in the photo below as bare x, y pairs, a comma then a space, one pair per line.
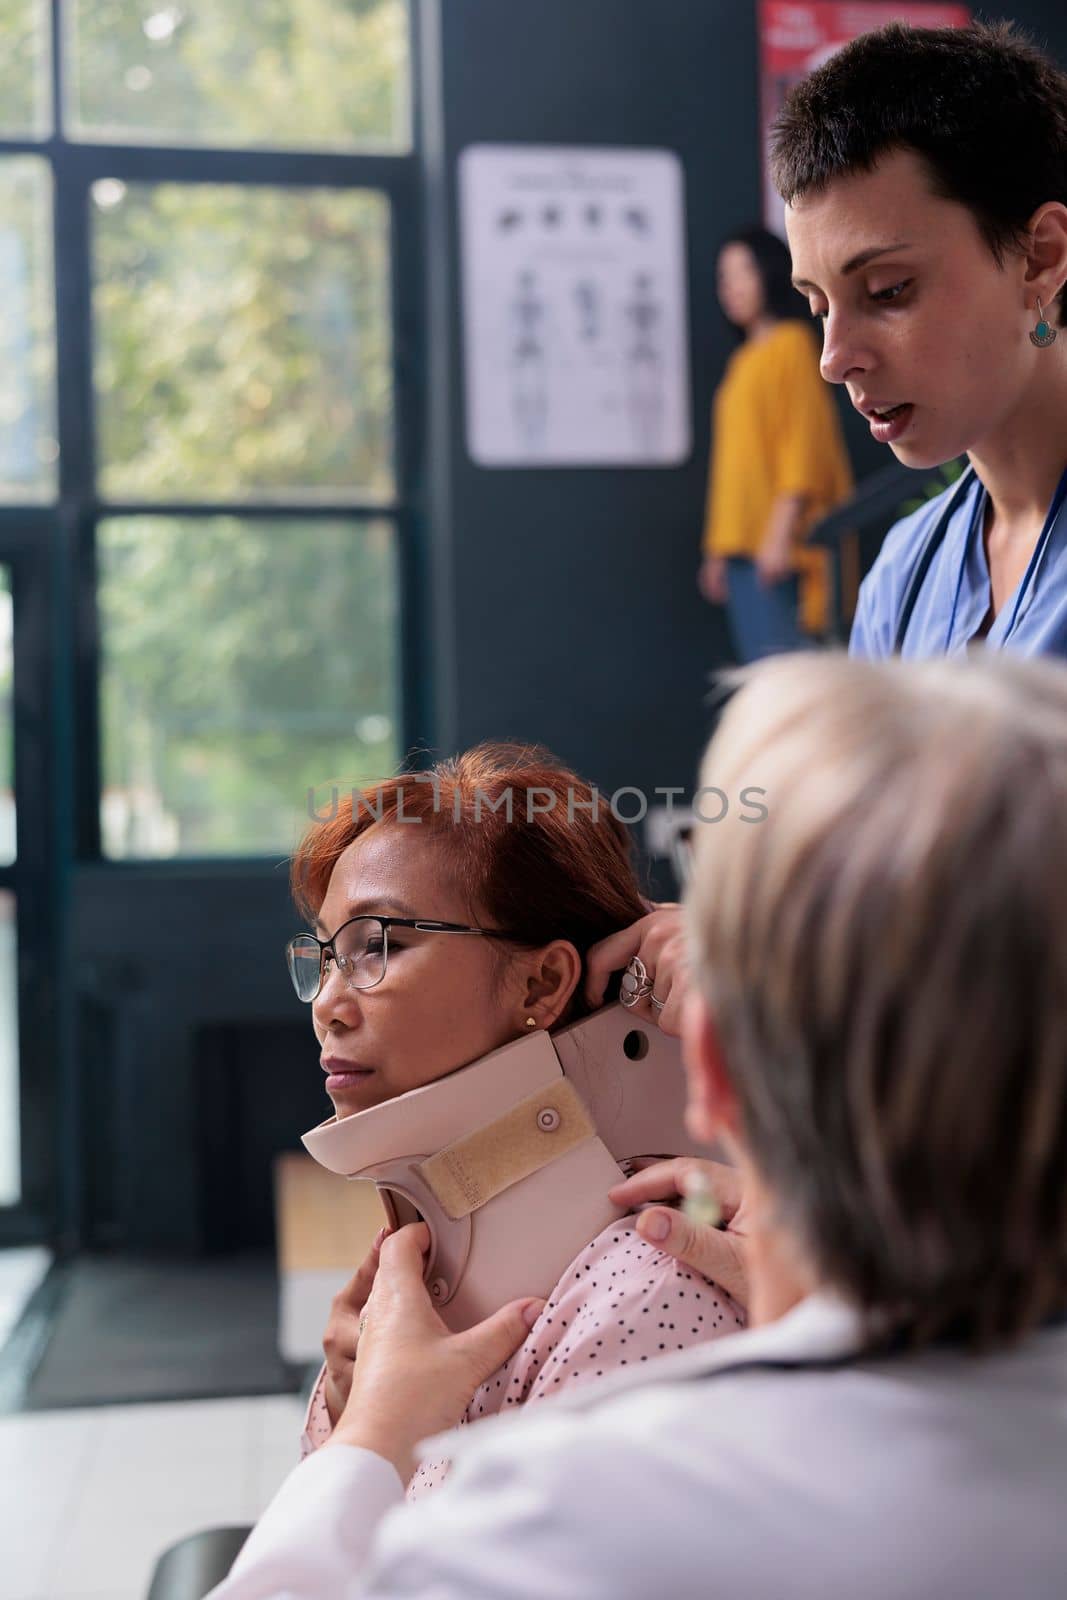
620, 1303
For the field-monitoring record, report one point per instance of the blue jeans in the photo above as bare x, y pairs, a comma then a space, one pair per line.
763, 621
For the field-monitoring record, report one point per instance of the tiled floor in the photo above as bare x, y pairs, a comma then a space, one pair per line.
90, 1498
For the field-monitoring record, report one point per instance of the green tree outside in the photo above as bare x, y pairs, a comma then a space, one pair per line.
247, 664
242, 353
292, 74
242, 341
25, 111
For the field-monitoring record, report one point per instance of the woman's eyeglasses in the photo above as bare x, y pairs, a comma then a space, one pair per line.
360, 950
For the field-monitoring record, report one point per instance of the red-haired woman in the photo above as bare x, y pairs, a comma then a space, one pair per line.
500, 838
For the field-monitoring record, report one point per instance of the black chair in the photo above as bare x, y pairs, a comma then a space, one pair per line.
191, 1568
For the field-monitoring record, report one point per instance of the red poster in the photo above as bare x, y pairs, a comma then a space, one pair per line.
796, 37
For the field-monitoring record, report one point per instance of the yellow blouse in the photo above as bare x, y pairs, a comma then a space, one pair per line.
775, 432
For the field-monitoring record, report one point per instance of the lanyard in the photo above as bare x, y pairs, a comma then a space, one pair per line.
1032, 566
1039, 549
937, 538
930, 549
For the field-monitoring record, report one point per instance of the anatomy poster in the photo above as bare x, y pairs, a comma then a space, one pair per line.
574, 306
796, 37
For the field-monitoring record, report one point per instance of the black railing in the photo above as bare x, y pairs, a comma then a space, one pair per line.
878, 501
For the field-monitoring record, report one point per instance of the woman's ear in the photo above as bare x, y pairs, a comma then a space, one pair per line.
712, 1110
1046, 255
552, 975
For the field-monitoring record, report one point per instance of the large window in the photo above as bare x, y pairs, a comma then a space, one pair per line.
10, 1174
294, 74
226, 340
10, 1185
242, 341
208, 264
7, 721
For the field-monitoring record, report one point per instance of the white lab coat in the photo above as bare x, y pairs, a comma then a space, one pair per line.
708, 1474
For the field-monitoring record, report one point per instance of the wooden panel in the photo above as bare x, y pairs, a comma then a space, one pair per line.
323, 1221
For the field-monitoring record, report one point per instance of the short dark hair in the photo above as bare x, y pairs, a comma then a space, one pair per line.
984, 108
774, 265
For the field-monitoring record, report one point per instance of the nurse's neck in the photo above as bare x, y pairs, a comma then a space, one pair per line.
1020, 462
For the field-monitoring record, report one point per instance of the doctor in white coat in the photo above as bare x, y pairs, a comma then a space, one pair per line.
877, 1027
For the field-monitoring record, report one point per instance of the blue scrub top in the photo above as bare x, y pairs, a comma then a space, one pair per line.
955, 595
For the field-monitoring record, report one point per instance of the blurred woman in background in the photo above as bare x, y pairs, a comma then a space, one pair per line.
778, 461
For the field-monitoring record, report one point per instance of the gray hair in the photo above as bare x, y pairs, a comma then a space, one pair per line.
885, 957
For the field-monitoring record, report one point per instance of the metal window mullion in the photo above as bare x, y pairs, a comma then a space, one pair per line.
74, 392
264, 168
72, 760
24, 529
32, 879
74, 631
406, 255
252, 510
26, 147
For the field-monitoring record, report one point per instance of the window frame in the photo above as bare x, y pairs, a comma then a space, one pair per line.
31, 877
51, 549
75, 167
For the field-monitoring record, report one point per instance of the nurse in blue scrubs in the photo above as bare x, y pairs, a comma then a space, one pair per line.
931, 241
925, 177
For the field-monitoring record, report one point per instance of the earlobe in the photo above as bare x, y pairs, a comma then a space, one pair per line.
552, 982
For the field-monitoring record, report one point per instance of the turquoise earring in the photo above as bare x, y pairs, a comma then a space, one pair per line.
1044, 334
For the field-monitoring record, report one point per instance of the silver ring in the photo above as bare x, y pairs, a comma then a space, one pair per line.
636, 984
659, 1004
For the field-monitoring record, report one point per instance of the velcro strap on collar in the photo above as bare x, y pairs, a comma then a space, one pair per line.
475, 1169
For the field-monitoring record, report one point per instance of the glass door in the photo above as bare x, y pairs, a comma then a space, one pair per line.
10, 1129
29, 530
211, 547
28, 1060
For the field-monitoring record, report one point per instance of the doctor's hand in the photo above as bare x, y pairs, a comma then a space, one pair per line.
412, 1377
341, 1338
658, 940
717, 1252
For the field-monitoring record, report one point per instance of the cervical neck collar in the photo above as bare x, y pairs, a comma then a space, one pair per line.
509, 1160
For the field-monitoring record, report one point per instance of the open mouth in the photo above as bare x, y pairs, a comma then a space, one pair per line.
889, 422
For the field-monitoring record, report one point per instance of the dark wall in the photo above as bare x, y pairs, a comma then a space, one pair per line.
197, 1062
573, 615
563, 608
569, 611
